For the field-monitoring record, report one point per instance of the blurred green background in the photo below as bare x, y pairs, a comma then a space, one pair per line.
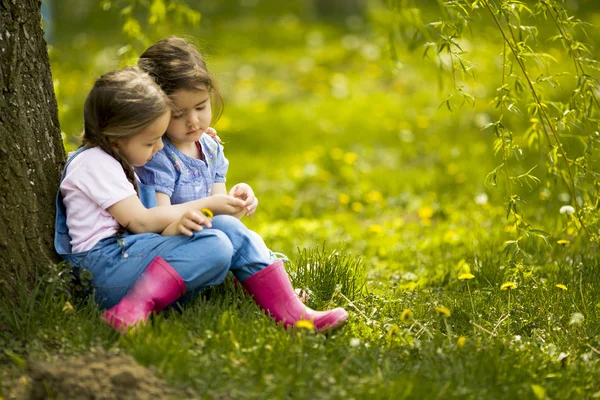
343, 143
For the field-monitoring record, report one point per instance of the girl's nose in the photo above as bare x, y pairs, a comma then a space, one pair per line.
192, 119
159, 146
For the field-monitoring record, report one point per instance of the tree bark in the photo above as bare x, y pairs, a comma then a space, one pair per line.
31, 149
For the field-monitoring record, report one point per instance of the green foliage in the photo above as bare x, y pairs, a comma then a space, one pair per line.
324, 274
145, 22
560, 98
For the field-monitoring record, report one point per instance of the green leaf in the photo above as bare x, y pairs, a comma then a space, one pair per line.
19, 361
538, 391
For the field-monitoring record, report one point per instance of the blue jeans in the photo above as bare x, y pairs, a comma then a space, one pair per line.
201, 260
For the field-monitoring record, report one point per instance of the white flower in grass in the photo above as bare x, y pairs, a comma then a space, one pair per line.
567, 210
481, 198
354, 342
576, 319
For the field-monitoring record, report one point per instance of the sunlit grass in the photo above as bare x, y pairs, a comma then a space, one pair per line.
377, 196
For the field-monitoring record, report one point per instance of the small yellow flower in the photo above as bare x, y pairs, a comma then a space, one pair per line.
508, 286
425, 212
357, 207
406, 315
376, 229
350, 158
443, 311
461, 341
374, 197
462, 277
207, 212
305, 324
563, 242
451, 236
68, 307
343, 198
393, 330
561, 286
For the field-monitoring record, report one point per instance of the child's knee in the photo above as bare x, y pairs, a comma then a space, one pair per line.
228, 224
220, 249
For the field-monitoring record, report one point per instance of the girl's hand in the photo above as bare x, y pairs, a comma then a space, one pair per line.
189, 222
244, 191
224, 204
213, 134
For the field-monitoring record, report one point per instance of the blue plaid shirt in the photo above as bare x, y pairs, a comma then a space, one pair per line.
184, 178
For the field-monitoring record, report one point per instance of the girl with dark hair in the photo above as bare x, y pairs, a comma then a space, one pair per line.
192, 166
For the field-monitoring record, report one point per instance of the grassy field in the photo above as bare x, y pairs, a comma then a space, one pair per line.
378, 197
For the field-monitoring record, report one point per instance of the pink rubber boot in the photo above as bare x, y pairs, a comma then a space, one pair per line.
273, 292
159, 286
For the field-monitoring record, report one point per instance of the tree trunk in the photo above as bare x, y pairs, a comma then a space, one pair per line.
31, 149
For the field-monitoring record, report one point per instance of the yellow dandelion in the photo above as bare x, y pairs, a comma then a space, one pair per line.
406, 315
425, 212
508, 286
297, 172
207, 212
561, 286
467, 276
443, 311
563, 242
357, 207
305, 324
343, 198
374, 197
68, 307
393, 330
376, 229
451, 236
350, 158
461, 341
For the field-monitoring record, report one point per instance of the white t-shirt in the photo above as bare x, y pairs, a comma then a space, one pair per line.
94, 181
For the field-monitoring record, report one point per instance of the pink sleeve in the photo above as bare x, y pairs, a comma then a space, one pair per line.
101, 178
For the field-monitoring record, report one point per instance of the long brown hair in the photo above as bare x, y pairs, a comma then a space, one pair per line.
175, 64
120, 105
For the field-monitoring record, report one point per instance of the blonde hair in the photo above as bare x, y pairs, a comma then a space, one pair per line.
120, 105
175, 64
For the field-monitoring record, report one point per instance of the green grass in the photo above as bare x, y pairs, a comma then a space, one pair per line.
222, 345
377, 196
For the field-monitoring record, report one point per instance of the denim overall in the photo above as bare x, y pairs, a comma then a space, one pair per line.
201, 260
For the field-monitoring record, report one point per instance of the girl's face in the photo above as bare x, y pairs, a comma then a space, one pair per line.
190, 117
140, 149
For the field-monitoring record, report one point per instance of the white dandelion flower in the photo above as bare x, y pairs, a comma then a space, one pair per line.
576, 319
567, 210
